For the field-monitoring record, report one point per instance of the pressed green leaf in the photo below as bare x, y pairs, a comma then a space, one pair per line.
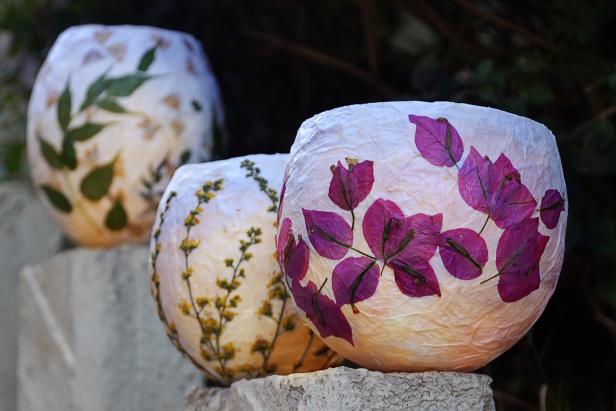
97, 182
184, 157
64, 107
95, 90
125, 86
85, 132
116, 217
50, 154
111, 104
147, 59
57, 199
196, 105
69, 156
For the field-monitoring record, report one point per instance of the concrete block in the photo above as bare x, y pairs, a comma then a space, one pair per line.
27, 235
91, 340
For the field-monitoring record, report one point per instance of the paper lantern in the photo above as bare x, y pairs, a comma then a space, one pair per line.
113, 112
433, 232
215, 278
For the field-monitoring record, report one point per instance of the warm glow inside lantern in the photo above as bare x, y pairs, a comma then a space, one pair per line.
215, 279
419, 236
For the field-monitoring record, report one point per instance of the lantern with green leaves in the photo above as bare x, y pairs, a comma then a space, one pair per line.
113, 112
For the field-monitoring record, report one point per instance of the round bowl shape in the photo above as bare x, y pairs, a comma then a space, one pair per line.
113, 112
218, 288
435, 230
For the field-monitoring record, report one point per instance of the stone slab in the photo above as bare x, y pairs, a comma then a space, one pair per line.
90, 338
350, 389
27, 235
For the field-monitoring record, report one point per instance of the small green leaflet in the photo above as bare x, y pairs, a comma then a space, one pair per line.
64, 107
95, 90
50, 154
69, 156
147, 59
116, 217
57, 199
111, 104
125, 86
84, 132
97, 182
196, 105
184, 157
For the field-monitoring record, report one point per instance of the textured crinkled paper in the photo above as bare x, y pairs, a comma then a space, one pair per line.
441, 172
214, 206
131, 102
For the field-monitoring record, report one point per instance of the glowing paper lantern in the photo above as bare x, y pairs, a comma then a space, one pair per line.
113, 112
215, 279
427, 235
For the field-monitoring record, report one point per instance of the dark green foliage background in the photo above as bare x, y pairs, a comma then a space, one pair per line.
279, 62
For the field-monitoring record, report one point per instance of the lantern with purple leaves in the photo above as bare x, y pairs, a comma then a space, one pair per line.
417, 236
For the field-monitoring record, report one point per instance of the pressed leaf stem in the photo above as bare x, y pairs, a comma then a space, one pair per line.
303, 357
276, 334
485, 223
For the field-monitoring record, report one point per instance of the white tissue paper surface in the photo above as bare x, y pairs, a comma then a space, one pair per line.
114, 110
422, 236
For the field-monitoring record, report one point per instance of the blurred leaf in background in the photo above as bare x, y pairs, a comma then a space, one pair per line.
279, 62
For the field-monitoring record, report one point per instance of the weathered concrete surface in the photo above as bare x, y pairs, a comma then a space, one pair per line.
27, 235
91, 340
349, 389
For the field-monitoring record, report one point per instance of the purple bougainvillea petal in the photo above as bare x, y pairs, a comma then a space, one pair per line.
324, 313
385, 229
415, 277
330, 235
511, 200
476, 181
304, 296
437, 140
293, 257
426, 231
518, 255
464, 253
348, 188
355, 279
297, 260
495, 189
330, 320
552, 204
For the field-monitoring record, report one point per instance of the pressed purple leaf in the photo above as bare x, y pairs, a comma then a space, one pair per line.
415, 277
464, 253
304, 296
330, 235
426, 231
330, 320
495, 189
293, 257
355, 279
324, 313
386, 230
511, 200
437, 140
476, 181
348, 188
552, 204
518, 255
